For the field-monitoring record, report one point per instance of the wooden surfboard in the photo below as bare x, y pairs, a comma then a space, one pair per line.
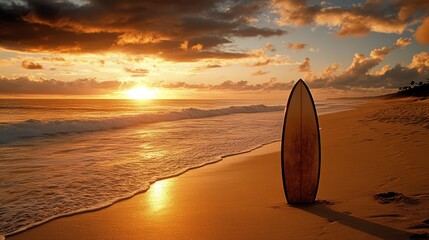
300, 153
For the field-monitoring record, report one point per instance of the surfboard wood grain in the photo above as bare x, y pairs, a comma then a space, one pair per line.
300, 153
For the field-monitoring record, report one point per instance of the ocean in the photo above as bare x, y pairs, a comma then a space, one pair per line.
61, 157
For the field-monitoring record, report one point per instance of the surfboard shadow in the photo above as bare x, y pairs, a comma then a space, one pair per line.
359, 224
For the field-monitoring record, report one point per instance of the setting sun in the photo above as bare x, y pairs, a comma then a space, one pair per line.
142, 93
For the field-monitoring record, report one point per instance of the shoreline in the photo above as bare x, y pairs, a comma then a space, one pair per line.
252, 157
222, 158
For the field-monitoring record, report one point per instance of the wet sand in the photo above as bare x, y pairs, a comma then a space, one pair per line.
376, 148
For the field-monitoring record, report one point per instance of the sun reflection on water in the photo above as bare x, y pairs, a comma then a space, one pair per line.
158, 196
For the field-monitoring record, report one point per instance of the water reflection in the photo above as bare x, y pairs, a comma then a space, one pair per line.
158, 195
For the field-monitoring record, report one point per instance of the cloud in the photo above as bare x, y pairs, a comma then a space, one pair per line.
361, 74
208, 66
6, 62
408, 8
422, 32
357, 20
264, 56
149, 27
269, 47
259, 73
86, 86
271, 60
138, 72
296, 46
305, 66
28, 64
420, 62
381, 53
53, 59
243, 85
213, 66
314, 50
90, 86
329, 71
403, 42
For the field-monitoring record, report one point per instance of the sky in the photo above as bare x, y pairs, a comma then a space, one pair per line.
210, 48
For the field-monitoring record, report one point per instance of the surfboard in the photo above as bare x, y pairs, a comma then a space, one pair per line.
300, 152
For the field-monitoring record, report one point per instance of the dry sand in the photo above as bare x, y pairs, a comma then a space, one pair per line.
376, 148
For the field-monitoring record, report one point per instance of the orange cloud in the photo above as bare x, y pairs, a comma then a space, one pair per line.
197, 47
402, 42
360, 73
27, 64
259, 73
329, 71
208, 66
357, 20
422, 32
269, 47
53, 59
296, 46
86, 86
263, 57
138, 72
305, 66
420, 62
243, 85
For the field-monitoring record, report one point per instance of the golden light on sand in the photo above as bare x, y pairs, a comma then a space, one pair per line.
142, 92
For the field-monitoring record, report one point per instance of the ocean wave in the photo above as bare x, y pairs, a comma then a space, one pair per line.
36, 128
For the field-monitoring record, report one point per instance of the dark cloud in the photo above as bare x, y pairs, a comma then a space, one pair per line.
143, 27
254, 31
27, 64
86, 86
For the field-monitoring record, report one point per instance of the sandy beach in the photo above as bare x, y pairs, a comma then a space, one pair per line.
378, 147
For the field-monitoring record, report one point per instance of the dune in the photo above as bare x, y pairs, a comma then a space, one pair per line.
374, 185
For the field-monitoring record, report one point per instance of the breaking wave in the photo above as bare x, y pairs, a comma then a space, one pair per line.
36, 128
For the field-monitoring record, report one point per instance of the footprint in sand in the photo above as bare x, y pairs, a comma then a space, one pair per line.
394, 197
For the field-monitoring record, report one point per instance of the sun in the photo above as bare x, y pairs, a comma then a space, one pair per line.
142, 92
